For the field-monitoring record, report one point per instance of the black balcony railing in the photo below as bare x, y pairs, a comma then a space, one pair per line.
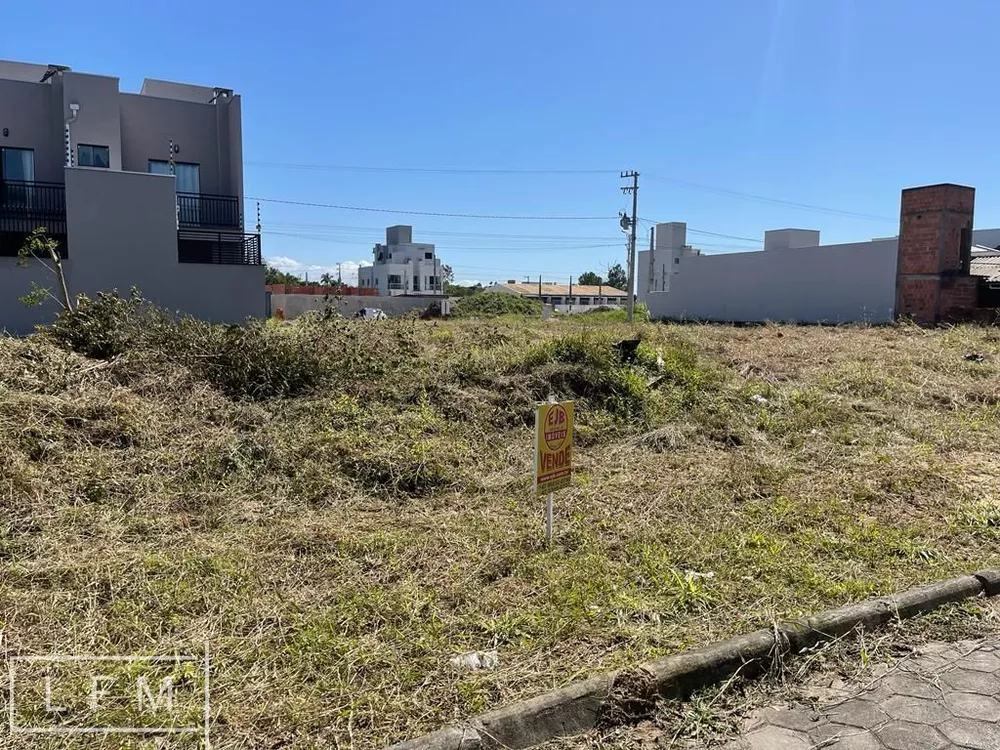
204, 211
225, 248
26, 206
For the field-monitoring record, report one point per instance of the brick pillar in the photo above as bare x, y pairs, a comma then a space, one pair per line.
935, 245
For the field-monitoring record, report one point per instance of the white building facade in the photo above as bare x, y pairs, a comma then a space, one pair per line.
403, 267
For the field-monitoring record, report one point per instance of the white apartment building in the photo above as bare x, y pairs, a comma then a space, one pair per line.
403, 267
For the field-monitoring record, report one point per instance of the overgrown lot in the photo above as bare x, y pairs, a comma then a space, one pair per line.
340, 507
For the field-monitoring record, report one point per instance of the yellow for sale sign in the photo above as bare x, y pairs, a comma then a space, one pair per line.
553, 446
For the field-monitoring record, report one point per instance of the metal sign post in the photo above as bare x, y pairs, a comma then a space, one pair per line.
548, 521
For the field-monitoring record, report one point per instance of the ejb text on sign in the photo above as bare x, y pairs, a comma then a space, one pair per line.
553, 446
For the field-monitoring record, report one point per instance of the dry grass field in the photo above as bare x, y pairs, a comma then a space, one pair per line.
338, 533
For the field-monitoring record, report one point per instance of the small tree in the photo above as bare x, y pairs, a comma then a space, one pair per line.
448, 274
273, 275
42, 248
590, 279
326, 279
617, 277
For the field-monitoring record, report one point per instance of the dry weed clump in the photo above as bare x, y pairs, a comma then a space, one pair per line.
338, 535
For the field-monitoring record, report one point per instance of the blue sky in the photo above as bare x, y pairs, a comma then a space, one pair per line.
834, 103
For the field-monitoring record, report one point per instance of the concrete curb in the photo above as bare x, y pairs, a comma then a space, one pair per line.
584, 705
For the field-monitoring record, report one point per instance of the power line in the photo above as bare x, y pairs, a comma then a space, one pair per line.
423, 170
431, 213
773, 201
711, 234
455, 248
725, 236
435, 233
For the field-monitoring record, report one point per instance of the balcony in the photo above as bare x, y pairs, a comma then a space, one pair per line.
220, 248
206, 211
26, 206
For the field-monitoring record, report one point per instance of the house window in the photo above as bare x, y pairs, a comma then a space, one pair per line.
416, 283
584, 300
432, 282
395, 281
17, 164
677, 261
428, 256
17, 167
187, 176
93, 156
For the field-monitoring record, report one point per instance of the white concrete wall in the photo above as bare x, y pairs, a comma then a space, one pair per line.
828, 283
577, 309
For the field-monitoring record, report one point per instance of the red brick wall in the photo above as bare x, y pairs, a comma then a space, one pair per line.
918, 299
932, 283
958, 297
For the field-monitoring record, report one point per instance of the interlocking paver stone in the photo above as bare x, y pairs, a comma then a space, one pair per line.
906, 684
981, 661
918, 710
972, 682
906, 735
973, 706
778, 738
976, 735
827, 735
799, 720
864, 741
858, 713
946, 697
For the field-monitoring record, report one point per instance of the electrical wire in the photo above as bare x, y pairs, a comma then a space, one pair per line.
431, 213
435, 233
711, 234
423, 170
454, 248
771, 201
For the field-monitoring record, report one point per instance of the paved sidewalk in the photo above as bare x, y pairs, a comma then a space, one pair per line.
946, 697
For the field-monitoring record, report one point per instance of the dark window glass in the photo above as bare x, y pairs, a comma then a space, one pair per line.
93, 156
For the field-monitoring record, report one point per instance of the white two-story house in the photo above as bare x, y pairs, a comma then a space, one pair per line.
402, 266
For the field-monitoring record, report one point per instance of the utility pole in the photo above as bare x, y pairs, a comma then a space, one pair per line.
634, 190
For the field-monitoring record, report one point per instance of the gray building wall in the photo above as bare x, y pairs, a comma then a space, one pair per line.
122, 224
148, 125
124, 234
32, 115
98, 121
824, 284
128, 237
15, 282
853, 282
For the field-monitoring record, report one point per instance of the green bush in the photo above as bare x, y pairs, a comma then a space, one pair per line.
101, 328
250, 362
254, 362
494, 305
